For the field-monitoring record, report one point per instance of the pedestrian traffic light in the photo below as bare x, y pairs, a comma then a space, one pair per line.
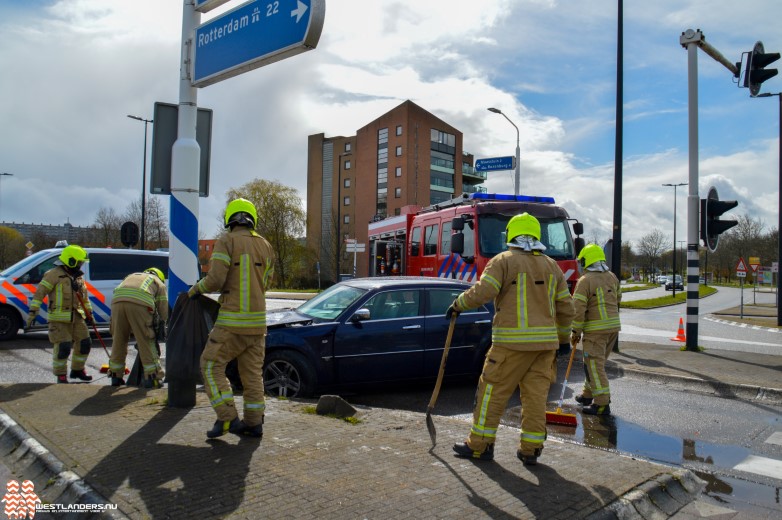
756, 73
712, 227
128, 234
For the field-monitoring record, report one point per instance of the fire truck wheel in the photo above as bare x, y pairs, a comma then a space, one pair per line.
9, 324
288, 374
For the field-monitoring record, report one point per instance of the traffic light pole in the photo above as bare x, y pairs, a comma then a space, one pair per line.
692, 40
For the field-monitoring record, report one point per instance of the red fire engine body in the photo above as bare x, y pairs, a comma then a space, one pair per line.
419, 241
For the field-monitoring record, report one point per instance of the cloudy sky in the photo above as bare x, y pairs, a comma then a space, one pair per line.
71, 70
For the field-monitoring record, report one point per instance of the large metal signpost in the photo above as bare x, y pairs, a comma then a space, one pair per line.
250, 36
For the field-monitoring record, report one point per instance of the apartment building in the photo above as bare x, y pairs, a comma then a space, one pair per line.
405, 157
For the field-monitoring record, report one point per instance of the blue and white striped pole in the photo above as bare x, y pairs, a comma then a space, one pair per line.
185, 163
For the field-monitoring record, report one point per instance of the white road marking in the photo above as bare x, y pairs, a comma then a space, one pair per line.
775, 438
761, 466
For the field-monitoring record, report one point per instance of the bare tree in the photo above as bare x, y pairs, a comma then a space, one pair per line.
107, 227
12, 246
651, 247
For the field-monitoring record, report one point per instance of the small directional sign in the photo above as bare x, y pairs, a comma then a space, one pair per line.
493, 164
356, 247
253, 35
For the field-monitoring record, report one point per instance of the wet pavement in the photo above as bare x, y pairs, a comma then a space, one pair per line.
125, 448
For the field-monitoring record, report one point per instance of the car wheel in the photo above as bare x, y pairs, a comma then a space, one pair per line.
9, 324
288, 374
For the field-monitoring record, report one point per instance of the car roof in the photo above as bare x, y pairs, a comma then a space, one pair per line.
91, 250
381, 282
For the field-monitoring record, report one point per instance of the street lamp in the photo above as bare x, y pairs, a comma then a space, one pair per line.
4, 174
518, 150
143, 177
339, 213
779, 207
673, 285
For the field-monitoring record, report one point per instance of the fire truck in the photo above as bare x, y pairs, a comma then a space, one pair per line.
457, 238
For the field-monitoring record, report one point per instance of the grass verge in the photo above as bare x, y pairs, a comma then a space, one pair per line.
666, 300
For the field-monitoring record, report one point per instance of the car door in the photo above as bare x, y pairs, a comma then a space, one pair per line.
387, 346
471, 336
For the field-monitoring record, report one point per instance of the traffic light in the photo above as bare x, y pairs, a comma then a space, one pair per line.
128, 234
756, 72
712, 227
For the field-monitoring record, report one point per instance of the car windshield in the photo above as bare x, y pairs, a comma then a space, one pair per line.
554, 234
332, 302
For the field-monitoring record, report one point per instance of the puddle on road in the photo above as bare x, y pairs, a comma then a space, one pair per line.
615, 434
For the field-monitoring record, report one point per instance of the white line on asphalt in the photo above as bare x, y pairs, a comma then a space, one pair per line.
775, 438
640, 331
761, 466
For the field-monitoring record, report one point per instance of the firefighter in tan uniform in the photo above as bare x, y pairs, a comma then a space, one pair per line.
68, 311
139, 305
240, 269
533, 314
597, 296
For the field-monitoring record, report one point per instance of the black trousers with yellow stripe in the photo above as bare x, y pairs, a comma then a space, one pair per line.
503, 371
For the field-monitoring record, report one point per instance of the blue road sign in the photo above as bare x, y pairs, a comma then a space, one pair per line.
204, 6
253, 35
493, 164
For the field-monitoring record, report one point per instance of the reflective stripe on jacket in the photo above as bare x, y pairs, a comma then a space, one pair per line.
57, 286
533, 309
241, 269
597, 296
143, 289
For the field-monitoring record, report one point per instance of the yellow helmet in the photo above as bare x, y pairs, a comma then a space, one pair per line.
157, 272
524, 224
590, 254
73, 256
240, 211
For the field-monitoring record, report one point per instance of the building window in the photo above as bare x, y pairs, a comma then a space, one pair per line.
398, 193
398, 151
206, 247
397, 211
346, 219
398, 129
346, 201
346, 183
347, 165
398, 171
347, 147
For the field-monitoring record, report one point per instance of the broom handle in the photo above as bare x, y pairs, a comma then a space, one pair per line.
567, 373
94, 327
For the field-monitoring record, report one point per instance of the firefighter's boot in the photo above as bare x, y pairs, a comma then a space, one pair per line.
62, 379
151, 381
529, 459
597, 409
220, 428
117, 381
465, 452
80, 374
586, 401
248, 431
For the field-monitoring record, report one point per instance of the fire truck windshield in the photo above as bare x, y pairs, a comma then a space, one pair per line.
554, 234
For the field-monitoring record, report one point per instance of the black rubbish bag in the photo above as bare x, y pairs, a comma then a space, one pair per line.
189, 327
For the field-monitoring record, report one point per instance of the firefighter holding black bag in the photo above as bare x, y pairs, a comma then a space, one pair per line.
240, 269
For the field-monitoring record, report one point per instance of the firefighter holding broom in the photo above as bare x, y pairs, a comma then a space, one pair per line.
69, 309
138, 302
597, 296
533, 314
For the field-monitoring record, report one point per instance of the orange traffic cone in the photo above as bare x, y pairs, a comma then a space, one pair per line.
680, 333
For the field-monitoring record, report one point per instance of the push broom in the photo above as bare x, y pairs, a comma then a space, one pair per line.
560, 417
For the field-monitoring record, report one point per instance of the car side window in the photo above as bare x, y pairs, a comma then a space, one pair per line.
107, 266
441, 299
394, 304
35, 274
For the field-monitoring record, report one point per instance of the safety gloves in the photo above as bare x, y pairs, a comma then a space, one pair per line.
30, 319
575, 337
193, 293
451, 312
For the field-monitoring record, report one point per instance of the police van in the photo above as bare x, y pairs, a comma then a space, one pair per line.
103, 272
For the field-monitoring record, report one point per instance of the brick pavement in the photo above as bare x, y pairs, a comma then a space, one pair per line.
153, 461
